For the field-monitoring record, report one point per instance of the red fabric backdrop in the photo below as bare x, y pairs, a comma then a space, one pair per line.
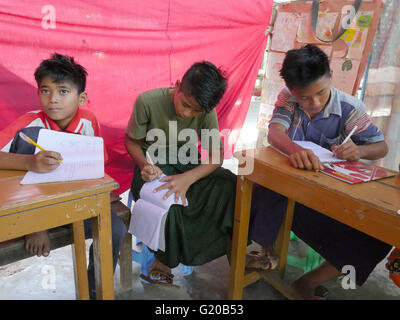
129, 47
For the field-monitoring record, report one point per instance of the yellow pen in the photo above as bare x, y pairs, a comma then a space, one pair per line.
27, 139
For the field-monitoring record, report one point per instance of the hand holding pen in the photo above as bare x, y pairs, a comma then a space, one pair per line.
150, 171
347, 150
44, 160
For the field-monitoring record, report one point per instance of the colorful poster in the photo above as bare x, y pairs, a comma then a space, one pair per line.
357, 33
325, 28
272, 83
284, 32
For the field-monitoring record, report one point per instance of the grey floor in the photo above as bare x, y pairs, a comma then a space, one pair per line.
52, 278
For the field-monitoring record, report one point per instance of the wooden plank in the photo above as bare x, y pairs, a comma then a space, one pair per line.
102, 252
16, 197
79, 261
18, 224
239, 242
282, 242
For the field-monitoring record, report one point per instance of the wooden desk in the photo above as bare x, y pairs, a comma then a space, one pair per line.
369, 207
31, 208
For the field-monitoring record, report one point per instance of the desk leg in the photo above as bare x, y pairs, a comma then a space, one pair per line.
244, 189
282, 242
79, 259
102, 251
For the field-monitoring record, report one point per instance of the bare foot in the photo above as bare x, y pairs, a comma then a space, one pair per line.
303, 289
38, 243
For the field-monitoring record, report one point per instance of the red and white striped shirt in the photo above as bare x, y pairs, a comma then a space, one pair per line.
84, 122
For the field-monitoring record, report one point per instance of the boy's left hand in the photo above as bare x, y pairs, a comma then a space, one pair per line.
178, 183
347, 151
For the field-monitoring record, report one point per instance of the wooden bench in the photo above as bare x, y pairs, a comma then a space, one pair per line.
14, 250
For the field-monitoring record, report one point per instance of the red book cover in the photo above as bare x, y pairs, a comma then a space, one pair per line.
355, 171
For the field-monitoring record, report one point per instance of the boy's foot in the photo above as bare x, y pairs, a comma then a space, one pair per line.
160, 274
38, 243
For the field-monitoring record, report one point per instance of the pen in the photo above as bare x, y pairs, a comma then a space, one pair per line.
27, 139
149, 159
349, 135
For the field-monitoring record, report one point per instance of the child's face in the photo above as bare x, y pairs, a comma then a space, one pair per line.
314, 97
60, 101
185, 106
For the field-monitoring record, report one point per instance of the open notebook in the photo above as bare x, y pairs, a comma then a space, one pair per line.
323, 154
149, 214
83, 157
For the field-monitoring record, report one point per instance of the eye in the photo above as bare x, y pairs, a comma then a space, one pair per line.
44, 91
64, 91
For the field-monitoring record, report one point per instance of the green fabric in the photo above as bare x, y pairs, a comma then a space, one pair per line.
154, 109
197, 234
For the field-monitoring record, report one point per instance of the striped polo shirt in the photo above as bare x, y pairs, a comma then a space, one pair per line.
331, 125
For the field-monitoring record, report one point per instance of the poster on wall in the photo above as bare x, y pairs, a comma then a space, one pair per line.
284, 32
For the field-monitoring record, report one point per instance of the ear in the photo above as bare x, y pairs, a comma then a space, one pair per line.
178, 85
83, 98
330, 74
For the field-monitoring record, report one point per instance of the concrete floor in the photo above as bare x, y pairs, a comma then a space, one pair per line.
29, 279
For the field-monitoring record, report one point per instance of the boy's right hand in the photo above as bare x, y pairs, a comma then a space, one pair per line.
45, 161
150, 172
305, 159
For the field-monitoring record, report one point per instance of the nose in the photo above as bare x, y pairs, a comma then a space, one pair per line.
316, 102
54, 97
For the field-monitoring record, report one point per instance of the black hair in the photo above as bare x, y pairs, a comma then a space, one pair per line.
62, 68
205, 83
303, 66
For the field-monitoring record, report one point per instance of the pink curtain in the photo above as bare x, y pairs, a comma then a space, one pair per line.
129, 47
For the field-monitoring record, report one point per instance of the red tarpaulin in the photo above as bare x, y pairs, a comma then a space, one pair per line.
128, 47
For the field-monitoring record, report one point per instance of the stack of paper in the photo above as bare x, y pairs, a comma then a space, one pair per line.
149, 214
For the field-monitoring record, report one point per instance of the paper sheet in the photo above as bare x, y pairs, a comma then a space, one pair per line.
83, 157
323, 154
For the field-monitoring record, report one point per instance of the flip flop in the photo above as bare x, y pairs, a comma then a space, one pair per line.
161, 278
259, 262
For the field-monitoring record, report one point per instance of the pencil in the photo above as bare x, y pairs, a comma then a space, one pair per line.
27, 139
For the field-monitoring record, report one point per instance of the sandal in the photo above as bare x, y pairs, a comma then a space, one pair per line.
259, 262
161, 278
321, 293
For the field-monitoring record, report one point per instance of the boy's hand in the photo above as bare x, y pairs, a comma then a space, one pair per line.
347, 151
150, 172
178, 183
45, 161
305, 159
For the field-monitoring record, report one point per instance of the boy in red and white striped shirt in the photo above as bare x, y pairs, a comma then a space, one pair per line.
61, 89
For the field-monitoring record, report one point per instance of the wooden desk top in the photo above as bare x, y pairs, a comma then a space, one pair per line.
14, 196
370, 207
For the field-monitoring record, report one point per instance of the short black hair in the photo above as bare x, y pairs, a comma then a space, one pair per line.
303, 66
205, 83
62, 68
